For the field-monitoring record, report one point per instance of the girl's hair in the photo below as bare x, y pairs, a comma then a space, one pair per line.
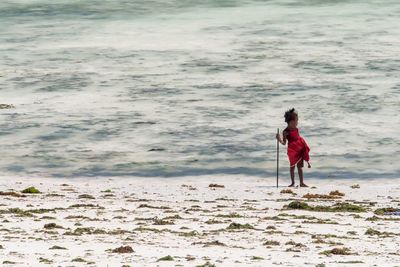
290, 115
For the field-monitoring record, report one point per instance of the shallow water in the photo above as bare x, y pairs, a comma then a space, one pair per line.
172, 88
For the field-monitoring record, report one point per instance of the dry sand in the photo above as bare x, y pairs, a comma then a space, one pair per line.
83, 222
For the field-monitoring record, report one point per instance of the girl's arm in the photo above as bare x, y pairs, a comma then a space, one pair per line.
284, 134
282, 141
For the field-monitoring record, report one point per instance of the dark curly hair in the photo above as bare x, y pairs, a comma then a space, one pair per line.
290, 115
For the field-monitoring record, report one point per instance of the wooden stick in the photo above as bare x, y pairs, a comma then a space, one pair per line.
277, 161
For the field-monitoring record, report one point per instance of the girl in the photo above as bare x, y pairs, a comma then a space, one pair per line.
298, 150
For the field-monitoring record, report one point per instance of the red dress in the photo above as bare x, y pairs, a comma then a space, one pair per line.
298, 149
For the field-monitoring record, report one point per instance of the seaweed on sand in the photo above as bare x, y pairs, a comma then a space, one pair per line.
30, 190
382, 211
166, 258
338, 207
123, 249
371, 231
271, 243
238, 226
337, 251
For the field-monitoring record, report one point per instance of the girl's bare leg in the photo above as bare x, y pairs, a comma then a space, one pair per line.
300, 171
292, 175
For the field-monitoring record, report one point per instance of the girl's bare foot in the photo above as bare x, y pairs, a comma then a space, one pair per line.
291, 185
303, 185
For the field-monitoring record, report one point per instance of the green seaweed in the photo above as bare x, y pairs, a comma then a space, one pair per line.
319, 221
294, 244
231, 215
216, 186
347, 207
166, 258
271, 243
86, 206
382, 211
207, 264
162, 222
322, 241
85, 230
41, 211
51, 226
45, 261
376, 218
147, 229
338, 207
213, 221
58, 248
153, 207
337, 251
275, 218
11, 194
9, 262
19, 212
87, 196
78, 259
189, 234
238, 226
298, 205
48, 218
30, 190
371, 231
173, 217
6, 106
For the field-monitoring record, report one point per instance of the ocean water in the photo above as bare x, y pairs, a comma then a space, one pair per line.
168, 88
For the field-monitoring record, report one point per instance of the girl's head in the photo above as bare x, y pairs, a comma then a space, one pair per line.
291, 118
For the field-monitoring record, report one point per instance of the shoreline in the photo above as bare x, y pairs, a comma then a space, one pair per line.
220, 220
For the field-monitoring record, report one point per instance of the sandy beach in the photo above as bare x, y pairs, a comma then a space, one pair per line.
198, 221
144, 133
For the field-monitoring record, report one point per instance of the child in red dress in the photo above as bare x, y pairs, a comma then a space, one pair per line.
298, 150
